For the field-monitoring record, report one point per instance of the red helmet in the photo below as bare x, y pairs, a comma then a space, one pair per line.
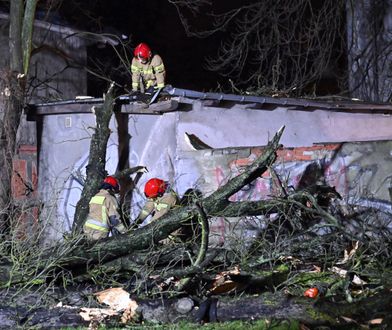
154, 187
142, 52
111, 180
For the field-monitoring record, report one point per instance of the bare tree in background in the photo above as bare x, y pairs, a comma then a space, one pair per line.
13, 83
289, 46
277, 45
20, 80
369, 36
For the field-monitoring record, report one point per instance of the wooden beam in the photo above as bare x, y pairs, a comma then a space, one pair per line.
182, 103
63, 109
136, 108
152, 109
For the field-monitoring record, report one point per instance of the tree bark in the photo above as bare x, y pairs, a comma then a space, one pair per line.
76, 256
95, 170
370, 49
143, 238
13, 81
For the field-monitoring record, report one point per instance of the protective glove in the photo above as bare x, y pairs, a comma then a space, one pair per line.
134, 93
142, 170
150, 90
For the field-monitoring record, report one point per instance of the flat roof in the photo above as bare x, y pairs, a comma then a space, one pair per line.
175, 99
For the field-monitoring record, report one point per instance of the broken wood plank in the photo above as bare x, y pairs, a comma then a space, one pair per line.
153, 109
63, 109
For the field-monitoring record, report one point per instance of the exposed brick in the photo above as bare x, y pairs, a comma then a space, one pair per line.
27, 149
34, 179
289, 154
19, 174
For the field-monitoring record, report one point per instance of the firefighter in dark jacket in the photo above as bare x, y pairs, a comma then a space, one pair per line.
147, 69
103, 217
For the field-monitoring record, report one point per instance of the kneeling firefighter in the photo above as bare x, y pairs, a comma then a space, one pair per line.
160, 199
103, 217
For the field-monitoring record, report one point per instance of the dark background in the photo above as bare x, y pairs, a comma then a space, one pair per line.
157, 23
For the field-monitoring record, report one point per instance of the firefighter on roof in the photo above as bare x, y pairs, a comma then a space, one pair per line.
103, 217
148, 70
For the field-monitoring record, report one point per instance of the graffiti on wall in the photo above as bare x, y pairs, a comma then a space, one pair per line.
352, 168
360, 172
73, 186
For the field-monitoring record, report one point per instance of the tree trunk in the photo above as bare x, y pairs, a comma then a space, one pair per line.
369, 49
13, 85
76, 256
143, 238
13, 103
95, 170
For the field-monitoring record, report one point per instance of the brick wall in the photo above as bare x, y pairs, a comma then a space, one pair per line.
360, 172
24, 189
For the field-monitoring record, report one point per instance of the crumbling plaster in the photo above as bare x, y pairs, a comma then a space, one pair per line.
159, 143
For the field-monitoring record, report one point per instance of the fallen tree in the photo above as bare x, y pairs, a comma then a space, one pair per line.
298, 228
217, 204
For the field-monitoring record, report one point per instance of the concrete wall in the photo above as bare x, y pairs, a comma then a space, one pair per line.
220, 127
360, 172
158, 142
62, 160
226, 128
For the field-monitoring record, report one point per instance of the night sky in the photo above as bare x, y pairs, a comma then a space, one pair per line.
157, 23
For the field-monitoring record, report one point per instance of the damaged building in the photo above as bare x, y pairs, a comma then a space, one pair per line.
192, 139
59, 56
200, 140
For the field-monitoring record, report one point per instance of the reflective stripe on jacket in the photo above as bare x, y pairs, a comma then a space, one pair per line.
153, 73
100, 224
97, 225
101, 207
158, 206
